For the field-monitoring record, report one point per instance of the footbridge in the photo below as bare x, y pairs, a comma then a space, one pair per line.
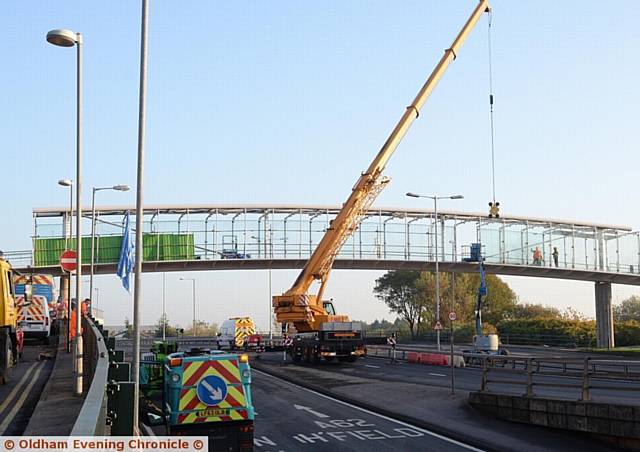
224, 237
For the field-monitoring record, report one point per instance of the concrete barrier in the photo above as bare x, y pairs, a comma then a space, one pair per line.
619, 424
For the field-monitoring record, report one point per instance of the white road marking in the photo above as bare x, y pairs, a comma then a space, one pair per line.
381, 416
17, 387
309, 410
372, 366
437, 375
20, 402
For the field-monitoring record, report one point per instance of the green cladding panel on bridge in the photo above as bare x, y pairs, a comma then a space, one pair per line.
157, 247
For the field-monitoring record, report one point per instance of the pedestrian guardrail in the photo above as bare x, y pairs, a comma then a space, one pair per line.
586, 374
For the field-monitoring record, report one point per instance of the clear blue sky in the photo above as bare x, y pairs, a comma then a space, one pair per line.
288, 101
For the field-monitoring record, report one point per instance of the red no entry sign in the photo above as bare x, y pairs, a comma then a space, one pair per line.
69, 261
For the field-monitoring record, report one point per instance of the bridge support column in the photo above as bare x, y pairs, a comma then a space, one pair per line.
604, 316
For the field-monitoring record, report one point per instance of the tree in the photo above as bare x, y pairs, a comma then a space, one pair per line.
163, 321
629, 309
412, 295
535, 311
203, 329
399, 292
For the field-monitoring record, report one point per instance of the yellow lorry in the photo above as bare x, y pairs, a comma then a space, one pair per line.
11, 334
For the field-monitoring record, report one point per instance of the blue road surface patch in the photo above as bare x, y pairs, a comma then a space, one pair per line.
211, 390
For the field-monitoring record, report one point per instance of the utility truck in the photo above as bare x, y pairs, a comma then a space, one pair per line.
199, 392
318, 332
11, 334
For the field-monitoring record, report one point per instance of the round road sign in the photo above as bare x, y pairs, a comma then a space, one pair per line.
69, 261
452, 316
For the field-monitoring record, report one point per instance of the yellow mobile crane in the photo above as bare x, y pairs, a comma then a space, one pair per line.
320, 332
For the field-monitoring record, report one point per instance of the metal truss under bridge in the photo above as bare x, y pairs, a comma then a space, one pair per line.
224, 237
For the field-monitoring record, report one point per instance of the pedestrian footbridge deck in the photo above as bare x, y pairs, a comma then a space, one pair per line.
223, 237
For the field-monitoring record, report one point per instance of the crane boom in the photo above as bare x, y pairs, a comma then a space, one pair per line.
296, 305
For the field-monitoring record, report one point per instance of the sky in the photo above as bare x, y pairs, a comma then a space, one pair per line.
287, 102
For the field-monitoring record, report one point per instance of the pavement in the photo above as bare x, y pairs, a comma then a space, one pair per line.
421, 396
57, 410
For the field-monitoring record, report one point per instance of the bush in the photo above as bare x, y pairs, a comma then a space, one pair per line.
627, 333
548, 331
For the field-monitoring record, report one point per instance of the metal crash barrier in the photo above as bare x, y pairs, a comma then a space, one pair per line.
92, 418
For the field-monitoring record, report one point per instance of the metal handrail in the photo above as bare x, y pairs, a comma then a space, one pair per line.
92, 418
590, 373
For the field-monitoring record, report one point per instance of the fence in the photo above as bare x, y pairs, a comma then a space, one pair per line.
586, 374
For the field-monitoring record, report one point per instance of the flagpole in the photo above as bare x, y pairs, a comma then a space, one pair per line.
137, 288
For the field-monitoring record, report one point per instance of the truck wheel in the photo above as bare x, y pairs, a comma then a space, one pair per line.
8, 361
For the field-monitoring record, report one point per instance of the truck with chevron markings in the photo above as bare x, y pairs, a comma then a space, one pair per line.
199, 392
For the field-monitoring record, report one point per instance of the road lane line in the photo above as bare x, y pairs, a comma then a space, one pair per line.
20, 402
437, 375
382, 416
17, 387
372, 366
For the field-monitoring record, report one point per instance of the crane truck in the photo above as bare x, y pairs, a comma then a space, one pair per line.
320, 333
11, 334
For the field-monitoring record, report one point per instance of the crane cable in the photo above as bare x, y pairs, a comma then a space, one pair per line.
493, 160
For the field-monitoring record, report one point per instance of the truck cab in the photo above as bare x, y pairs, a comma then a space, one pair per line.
11, 334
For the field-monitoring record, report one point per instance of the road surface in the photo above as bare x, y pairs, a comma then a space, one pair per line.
20, 395
291, 418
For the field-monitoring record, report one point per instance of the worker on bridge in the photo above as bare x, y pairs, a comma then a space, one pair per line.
537, 256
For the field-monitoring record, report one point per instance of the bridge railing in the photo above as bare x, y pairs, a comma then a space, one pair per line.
293, 233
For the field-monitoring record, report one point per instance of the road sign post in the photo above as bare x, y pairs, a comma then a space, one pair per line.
69, 263
452, 317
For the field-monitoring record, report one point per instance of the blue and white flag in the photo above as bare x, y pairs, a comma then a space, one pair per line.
126, 261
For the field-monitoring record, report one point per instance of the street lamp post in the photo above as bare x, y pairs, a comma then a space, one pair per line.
193, 281
97, 291
435, 213
68, 38
67, 229
93, 234
65, 280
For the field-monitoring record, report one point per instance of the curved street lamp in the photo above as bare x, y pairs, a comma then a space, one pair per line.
435, 213
93, 234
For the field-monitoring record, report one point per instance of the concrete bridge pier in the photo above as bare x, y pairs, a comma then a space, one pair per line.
604, 315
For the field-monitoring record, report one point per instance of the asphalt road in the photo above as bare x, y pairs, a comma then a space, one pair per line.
291, 418
469, 379
20, 395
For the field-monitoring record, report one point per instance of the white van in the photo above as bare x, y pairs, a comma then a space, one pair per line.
34, 318
234, 331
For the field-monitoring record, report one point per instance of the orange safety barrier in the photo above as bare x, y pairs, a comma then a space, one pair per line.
433, 359
413, 357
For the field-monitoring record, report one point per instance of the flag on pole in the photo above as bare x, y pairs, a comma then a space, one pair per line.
126, 261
